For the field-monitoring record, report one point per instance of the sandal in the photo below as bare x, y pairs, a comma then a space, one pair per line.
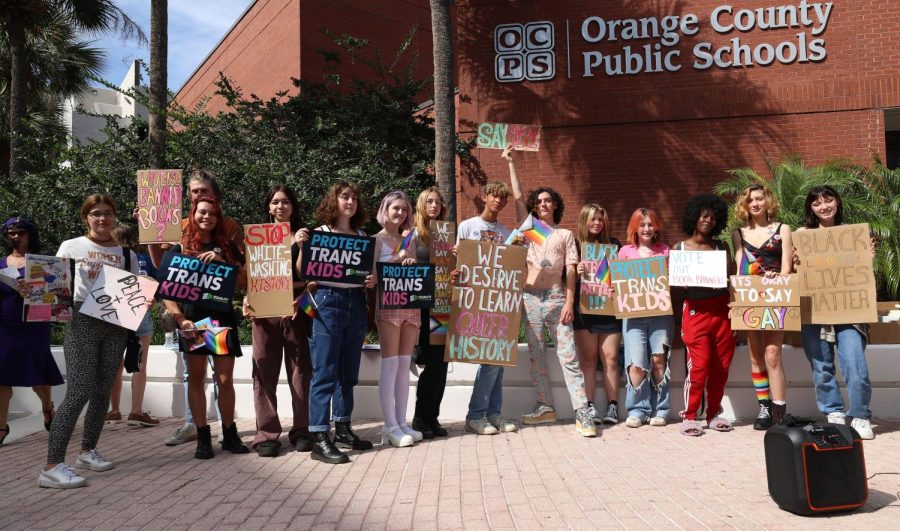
48, 416
6, 432
720, 424
691, 428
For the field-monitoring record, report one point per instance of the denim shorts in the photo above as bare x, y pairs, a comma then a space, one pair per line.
146, 327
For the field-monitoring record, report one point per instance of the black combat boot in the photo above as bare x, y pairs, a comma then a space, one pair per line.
204, 444
324, 451
345, 438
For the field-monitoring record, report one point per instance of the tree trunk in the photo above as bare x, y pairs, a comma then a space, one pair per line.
18, 52
159, 95
444, 105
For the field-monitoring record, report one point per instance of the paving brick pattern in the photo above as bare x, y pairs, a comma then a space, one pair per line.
541, 477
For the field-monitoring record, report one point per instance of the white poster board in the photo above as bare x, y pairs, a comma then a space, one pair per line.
703, 269
119, 297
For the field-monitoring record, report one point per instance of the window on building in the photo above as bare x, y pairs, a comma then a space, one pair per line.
892, 138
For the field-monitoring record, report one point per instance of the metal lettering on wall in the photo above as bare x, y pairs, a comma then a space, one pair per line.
524, 52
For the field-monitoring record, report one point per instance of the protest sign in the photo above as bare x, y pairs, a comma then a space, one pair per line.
443, 238
492, 135
405, 286
642, 287
10, 276
270, 281
836, 273
159, 206
184, 278
119, 297
596, 281
761, 303
48, 281
487, 304
340, 258
703, 269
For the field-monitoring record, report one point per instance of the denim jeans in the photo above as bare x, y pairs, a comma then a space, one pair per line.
335, 348
487, 393
851, 354
643, 337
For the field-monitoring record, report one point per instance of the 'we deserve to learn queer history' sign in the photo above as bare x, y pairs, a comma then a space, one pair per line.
836, 273
642, 287
493, 135
594, 296
486, 307
341, 258
405, 286
159, 205
184, 278
703, 269
119, 297
765, 303
270, 281
443, 238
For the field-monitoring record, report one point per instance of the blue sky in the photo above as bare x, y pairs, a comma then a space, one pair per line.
195, 27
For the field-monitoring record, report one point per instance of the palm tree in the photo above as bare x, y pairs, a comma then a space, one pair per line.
444, 105
159, 95
24, 17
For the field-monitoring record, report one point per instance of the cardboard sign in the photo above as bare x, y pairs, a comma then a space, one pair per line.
487, 304
443, 238
48, 280
762, 303
642, 287
836, 273
341, 258
594, 295
492, 135
159, 205
119, 297
702, 269
184, 278
270, 281
405, 286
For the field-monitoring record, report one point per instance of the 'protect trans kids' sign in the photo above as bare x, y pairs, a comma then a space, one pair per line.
184, 278
339, 258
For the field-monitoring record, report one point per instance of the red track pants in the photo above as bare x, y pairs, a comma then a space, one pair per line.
709, 348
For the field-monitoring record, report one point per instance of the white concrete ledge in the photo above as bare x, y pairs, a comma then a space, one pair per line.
165, 395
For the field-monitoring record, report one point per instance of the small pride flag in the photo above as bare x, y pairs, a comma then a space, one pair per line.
512, 237
215, 341
603, 274
535, 230
747, 266
307, 303
406, 241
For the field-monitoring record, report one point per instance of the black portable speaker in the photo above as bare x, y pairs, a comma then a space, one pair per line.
815, 468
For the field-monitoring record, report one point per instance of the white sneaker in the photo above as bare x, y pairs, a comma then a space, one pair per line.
502, 424
94, 461
481, 427
416, 435
62, 476
863, 427
837, 417
187, 432
658, 421
634, 422
396, 437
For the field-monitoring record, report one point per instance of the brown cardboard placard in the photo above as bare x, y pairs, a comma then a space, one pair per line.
487, 304
761, 303
594, 296
270, 281
836, 273
642, 287
443, 238
159, 197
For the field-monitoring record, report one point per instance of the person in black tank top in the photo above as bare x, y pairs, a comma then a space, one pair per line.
757, 210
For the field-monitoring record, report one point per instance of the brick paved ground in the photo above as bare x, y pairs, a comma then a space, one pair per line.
542, 477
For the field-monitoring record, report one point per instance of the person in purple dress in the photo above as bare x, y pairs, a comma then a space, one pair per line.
25, 358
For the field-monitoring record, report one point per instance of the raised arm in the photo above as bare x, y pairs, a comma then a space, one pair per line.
521, 207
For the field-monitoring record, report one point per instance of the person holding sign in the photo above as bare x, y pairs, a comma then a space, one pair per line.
433, 378
277, 337
549, 300
762, 246
206, 239
25, 357
706, 331
647, 339
93, 348
338, 332
597, 336
398, 329
823, 208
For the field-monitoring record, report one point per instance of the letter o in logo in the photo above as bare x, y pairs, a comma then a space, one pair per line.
509, 38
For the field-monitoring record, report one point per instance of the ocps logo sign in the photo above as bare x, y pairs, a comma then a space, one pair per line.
524, 52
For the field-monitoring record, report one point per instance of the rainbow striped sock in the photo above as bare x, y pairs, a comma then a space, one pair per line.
761, 384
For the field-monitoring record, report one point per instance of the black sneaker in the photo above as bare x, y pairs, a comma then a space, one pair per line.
268, 448
612, 414
304, 443
424, 427
764, 418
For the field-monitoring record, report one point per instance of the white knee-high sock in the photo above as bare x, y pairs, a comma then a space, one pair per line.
401, 392
386, 390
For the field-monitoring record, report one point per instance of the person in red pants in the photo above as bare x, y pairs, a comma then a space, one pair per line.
706, 331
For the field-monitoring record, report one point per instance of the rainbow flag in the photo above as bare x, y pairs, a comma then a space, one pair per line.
747, 266
535, 230
307, 303
603, 274
406, 241
512, 237
215, 341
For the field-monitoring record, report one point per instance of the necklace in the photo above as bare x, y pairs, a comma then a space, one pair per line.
95, 240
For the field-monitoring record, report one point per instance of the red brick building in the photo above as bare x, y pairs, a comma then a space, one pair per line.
642, 103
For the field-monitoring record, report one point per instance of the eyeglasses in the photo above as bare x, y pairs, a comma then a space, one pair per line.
101, 214
16, 232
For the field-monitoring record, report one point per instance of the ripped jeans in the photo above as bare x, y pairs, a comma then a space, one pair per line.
643, 337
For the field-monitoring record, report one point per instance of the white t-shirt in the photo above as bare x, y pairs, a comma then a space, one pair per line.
89, 259
480, 230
